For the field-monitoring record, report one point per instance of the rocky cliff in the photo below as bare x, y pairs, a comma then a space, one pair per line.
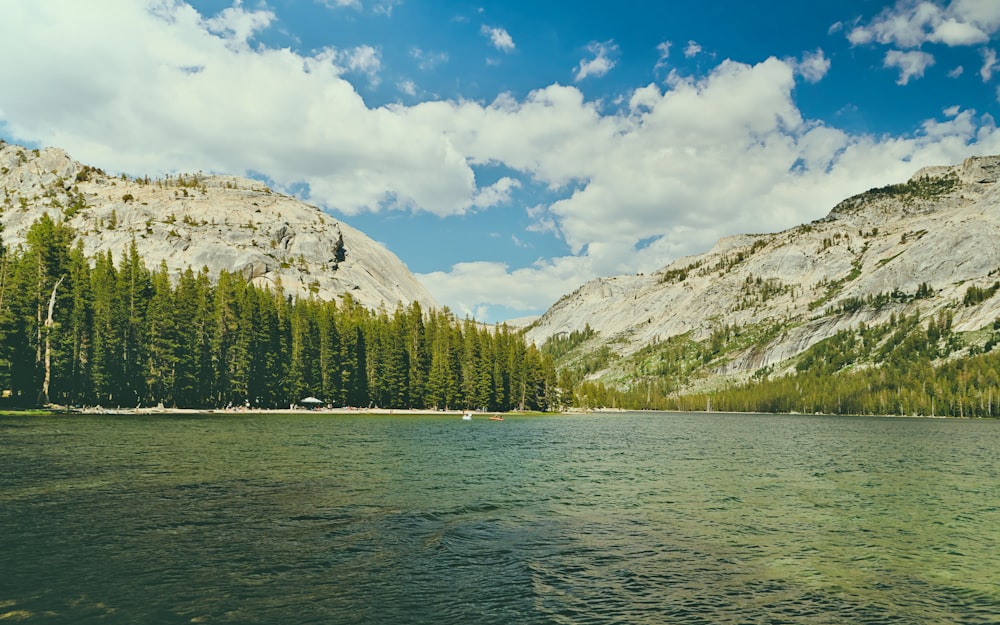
219, 222
899, 249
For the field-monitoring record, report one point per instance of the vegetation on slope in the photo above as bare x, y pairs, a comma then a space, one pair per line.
907, 366
917, 190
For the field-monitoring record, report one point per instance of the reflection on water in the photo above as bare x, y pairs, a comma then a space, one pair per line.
631, 518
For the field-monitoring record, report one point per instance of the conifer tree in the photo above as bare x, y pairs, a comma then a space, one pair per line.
134, 288
78, 378
162, 339
330, 352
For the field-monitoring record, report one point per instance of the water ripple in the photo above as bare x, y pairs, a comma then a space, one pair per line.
635, 518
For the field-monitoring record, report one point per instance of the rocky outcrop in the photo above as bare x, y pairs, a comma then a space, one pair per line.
916, 246
219, 222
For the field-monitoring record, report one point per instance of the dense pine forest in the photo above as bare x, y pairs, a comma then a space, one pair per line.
83, 331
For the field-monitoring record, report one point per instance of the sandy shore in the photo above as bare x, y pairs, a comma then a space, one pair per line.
295, 410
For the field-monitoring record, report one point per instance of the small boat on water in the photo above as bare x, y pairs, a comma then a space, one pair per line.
496, 417
467, 416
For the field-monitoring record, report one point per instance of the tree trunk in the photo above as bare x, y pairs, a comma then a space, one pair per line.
48, 343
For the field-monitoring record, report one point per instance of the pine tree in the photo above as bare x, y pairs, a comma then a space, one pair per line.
134, 288
190, 334
78, 385
330, 351
418, 356
162, 339
107, 371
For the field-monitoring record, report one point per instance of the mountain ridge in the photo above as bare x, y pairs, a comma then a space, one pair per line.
913, 247
197, 220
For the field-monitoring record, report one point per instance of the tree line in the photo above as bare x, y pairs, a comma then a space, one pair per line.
87, 331
908, 366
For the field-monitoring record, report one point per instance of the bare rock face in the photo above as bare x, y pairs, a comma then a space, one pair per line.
916, 246
219, 222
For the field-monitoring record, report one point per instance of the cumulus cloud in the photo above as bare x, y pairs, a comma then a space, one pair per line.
692, 49
362, 59
813, 66
257, 109
910, 64
238, 25
600, 64
496, 194
726, 153
499, 37
911, 23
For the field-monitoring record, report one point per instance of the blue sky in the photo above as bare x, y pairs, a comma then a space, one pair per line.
510, 151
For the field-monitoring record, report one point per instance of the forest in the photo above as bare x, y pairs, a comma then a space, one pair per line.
78, 331
908, 367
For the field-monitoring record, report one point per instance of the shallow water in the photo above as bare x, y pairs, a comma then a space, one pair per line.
625, 518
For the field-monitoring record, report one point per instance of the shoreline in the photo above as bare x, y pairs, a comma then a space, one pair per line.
99, 410
298, 410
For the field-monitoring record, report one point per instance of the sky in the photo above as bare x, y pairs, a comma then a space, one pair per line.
509, 151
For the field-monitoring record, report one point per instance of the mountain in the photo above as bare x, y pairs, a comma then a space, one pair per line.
220, 222
928, 246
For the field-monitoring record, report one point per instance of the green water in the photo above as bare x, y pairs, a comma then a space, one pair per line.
630, 518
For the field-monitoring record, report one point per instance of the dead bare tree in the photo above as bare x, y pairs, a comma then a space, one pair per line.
49, 323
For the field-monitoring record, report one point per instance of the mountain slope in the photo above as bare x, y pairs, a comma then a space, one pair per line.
896, 250
219, 222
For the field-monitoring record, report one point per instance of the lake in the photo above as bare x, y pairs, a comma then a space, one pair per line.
613, 518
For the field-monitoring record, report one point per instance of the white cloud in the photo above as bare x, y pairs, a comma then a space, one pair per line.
542, 222
910, 23
362, 59
910, 64
601, 64
813, 66
702, 159
954, 33
261, 109
499, 37
956, 72
408, 87
238, 26
983, 13
468, 286
496, 194
989, 64
663, 50
692, 49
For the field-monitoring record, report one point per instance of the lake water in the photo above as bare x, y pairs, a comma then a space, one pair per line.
622, 518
